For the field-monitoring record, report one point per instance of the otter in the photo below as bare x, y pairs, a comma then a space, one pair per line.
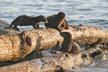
25, 20
68, 45
57, 21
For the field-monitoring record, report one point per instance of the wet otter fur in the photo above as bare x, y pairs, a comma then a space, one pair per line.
25, 20
68, 45
57, 21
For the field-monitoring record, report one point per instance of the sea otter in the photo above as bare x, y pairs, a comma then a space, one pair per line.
57, 21
68, 45
25, 20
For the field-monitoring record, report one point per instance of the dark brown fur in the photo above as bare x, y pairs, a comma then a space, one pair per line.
68, 45
25, 20
57, 21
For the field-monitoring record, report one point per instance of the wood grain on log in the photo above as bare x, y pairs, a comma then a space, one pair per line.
51, 63
56, 62
16, 46
86, 35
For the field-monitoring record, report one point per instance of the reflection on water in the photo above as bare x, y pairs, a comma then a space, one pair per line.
91, 12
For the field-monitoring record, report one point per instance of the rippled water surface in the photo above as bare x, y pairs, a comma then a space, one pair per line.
93, 12
90, 12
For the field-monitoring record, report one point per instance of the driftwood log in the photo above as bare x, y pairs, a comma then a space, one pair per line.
87, 35
54, 63
16, 46
59, 62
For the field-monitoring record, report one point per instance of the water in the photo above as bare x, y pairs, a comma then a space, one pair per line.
93, 12
99, 66
88, 12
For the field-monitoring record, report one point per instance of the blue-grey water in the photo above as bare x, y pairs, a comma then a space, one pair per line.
90, 12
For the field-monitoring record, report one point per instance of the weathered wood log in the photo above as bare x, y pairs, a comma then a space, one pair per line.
87, 35
51, 63
84, 35
58, 62
16, 46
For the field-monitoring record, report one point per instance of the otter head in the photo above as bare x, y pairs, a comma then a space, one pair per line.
61, 15
43, 18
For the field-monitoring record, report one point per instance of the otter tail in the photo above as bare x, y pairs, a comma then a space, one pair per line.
11, 24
